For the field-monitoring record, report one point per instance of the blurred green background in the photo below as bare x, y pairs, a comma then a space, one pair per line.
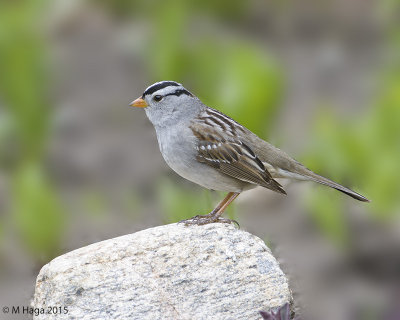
320, 80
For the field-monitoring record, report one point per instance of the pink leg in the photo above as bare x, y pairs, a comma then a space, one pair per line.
214, 216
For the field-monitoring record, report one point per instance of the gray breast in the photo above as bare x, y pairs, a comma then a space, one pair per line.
178, 148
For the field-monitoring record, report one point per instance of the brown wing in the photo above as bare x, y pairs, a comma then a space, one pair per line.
231, 156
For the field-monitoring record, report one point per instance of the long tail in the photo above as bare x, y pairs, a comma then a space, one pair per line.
284, 166
325, 181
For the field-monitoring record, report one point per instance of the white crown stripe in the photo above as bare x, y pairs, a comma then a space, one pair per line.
160, 85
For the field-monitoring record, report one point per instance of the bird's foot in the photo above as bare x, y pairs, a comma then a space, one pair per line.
206, 219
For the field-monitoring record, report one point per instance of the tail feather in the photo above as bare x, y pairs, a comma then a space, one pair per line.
322, 180
295, 170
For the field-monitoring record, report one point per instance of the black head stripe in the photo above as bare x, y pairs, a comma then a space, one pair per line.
179, 92
160, 85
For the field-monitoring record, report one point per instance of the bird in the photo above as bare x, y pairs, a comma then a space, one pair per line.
209, 148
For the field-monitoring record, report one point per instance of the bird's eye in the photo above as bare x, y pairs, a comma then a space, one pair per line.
157, 98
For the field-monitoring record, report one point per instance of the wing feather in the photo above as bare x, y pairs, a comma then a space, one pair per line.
231, 156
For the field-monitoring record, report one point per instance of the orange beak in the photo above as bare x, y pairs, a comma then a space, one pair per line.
139, 103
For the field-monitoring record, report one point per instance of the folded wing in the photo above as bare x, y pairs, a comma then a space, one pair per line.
231, 156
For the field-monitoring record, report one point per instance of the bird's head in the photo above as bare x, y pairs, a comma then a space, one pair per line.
167, 101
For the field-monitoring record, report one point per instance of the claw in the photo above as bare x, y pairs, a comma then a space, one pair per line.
214, 216
206, 219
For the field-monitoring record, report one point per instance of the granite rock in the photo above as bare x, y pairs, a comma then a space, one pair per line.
213, 271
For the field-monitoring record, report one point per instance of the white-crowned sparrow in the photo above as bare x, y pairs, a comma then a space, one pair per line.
208, 148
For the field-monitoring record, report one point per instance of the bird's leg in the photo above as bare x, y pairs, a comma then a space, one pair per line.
214, 216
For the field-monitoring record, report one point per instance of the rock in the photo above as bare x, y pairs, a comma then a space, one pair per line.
169, 272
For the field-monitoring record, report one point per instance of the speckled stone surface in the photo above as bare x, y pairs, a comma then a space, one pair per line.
213, 271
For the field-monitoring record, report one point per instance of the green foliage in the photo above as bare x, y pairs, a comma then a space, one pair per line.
328, 215
22, 84
229, 10
227, 71
24, 92
366, 151
220, 82
36, 212
179, 203
221, 79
